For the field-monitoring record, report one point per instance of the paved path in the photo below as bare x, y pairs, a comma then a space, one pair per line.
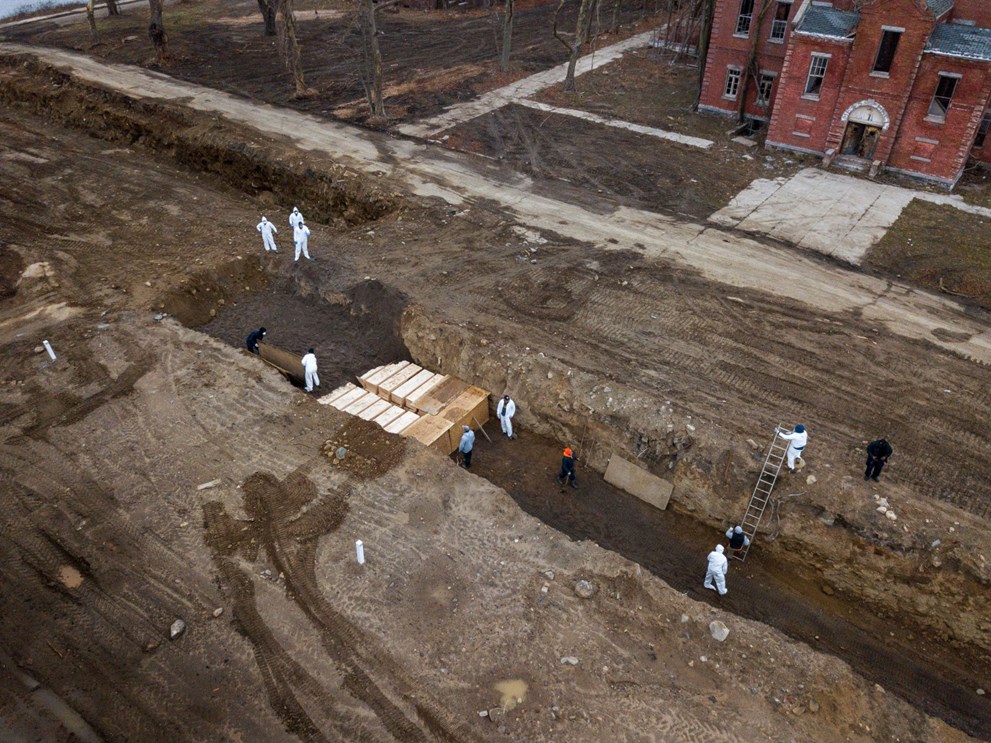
838, 215
459, 178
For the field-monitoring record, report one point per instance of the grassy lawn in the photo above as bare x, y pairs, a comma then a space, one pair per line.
939, 248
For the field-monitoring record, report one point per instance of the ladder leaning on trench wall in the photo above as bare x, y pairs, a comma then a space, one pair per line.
761, 496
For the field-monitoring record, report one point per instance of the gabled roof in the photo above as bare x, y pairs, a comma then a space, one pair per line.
828, 23
939, 7
957, 40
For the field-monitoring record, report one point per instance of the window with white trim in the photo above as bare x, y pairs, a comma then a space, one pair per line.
780, 23
886, 50
764, 87
817, 73
744, 18
945, 88
732, 82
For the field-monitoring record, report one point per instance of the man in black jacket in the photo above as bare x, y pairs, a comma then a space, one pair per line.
877, 454
253, 338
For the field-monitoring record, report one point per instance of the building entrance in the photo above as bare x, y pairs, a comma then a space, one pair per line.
860, 140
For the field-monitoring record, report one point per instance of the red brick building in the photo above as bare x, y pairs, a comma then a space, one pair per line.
903, 82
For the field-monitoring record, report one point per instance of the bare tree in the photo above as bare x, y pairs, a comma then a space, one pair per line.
112, 8
576, 44
91, 16
751, 70
289, 47
373, 57
156, 31
507, 35
267, 8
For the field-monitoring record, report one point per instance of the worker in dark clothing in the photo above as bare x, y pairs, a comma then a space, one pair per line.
253, 338
877, 454
568, 469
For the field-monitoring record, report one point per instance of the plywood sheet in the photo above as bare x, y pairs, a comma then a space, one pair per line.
409, 371
470, 408
342, 402
420, 393
374, 410
390, 414
403, 391
331, 396
638, 482
402, 422
434, 402
363, 379
373, 381
283, 360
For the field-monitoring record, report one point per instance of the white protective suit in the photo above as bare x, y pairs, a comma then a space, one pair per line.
505, 411
295, 217
796, 444
718, 567
267, 228
310, 370
301, 234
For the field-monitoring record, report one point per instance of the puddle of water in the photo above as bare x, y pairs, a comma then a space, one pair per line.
70, 577
513, 692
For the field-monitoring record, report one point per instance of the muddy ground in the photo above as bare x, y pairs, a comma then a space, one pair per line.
104, 449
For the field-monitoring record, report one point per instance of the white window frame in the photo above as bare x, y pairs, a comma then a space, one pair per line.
779, 26
732, 73
817, 57
768, 77
744, 20
940, 115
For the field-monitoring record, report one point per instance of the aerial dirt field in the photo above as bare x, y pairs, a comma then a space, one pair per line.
128, 242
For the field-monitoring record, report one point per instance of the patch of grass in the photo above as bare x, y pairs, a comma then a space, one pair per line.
939, 248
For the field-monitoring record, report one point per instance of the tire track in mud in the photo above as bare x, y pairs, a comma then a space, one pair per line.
287, 519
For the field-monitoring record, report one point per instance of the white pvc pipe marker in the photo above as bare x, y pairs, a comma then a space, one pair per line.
48, 347
359, 551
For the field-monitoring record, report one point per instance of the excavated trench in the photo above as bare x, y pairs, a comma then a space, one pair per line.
362, 327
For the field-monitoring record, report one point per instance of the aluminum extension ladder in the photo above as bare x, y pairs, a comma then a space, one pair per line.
761, 496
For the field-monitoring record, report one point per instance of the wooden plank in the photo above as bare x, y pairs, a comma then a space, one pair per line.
471, 406
347, 398
420, 393
432, 431
374, 410
638, 482
363, 379
386, 388
410, 386
331, 396
383, 374
361, 403
402, 422
390, 414
436, 400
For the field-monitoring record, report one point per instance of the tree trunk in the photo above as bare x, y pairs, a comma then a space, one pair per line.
507, 36
156, 31
705, 34
290, 47
267, 8
112, 8
614, 26
750, 70
581, 35
374, 60
91, 17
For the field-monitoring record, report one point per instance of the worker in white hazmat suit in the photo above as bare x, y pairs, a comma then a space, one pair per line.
267, 229
718, 567
505, 411
295, 217
796, 444
310, 370
301, 234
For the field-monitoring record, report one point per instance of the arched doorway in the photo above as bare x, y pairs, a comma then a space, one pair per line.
864, 123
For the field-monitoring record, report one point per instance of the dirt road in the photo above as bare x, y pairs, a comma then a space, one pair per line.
459, 180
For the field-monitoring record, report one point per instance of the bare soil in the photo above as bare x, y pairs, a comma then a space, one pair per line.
104, 450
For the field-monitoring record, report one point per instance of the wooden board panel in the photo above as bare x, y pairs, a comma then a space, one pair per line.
444, 393
331, 396
383, 374
410, 386
281, 359
470, 406
390, 414
342, 402
361, 403
432, 431
386, 388
402, 422
420, 393
639, 482
363, 379
374, 410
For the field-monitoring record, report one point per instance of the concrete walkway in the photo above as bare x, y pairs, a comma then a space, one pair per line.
459, 178
837, 215
521, 89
